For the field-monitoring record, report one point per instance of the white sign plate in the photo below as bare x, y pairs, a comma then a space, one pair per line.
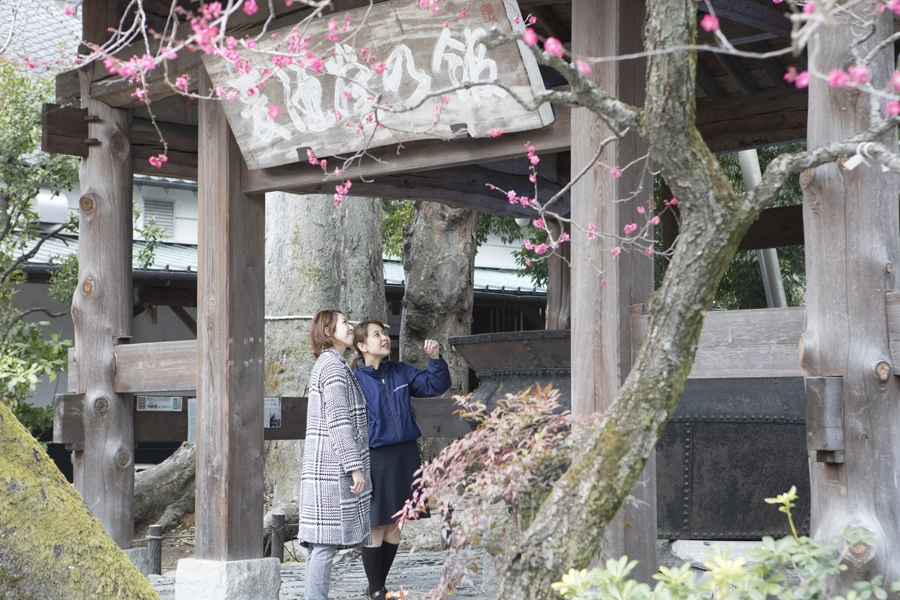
159, 403
272, 417
422, 53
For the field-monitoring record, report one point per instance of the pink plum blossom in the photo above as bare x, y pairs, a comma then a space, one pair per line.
250, 7
530, 37
616, 172
630, 228
655, 220
273, 112
616, 251
158, 160
495, 133
709, 23
540, 249
592, 231
859, 74
838, 78
583, 67
69, 10
539, 223
893, 108
554, 46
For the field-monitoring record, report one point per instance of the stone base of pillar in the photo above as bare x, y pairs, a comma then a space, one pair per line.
258, 579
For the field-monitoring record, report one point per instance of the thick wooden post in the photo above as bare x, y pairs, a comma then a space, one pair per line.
230, 332
101, 311
851, 230
601, 336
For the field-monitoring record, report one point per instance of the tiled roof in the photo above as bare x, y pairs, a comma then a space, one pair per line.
41, 31
183, 258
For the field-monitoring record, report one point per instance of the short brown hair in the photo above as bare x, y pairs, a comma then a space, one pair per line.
321, 331
360, 333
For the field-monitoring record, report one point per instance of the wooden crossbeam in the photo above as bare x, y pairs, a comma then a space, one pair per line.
435, 417
772, 67
708, 84
737, 72
762, 120
740, 344
752, 13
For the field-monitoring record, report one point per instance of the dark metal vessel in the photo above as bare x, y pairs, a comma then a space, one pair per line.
731, 443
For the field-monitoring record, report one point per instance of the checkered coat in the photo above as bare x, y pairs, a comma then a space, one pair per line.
337, 442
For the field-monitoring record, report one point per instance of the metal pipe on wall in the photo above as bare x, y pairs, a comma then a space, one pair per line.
768, 257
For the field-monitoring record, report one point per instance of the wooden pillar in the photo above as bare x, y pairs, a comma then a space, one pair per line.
230, 332
601, 335
851, 232
101, 311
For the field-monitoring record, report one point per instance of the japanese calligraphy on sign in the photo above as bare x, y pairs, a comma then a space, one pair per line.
419, 53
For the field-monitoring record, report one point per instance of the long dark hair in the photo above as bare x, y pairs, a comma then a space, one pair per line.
360, 333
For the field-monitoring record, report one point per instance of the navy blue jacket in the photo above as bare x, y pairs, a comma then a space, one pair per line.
388, 391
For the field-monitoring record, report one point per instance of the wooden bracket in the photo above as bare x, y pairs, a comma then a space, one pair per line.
68, 420
91, 119
90, 142
825, 418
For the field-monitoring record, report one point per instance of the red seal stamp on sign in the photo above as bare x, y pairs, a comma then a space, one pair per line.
487, 11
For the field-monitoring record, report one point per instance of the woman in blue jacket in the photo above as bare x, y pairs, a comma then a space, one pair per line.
388, 387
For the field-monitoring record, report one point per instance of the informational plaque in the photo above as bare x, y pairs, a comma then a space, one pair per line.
192, 421
159, 403
272, 409
400, 56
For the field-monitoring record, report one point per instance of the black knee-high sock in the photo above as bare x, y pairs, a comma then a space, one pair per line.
371, 558
388, 552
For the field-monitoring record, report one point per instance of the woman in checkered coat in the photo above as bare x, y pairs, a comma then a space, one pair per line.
334, 486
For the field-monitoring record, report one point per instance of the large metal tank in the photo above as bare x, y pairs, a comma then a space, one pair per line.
731, 443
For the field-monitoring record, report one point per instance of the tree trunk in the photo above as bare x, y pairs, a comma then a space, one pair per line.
569, 528
438, 265
852, 232
318, 256
53, 547
164, 493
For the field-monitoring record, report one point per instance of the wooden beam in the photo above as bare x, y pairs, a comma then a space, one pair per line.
416, 156
460, 187
601, 335
748, 12
753, 122
185, 318
737, 72
775, 228
230, 352
771, 65
741, 344
436, 418
708, 84
64, 131
101, 313
551, 24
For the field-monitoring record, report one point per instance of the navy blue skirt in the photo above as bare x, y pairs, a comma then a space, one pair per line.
392, 478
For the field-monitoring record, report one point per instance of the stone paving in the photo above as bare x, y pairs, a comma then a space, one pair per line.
417, 574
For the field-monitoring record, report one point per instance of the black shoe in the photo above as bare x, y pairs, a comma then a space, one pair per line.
377, 595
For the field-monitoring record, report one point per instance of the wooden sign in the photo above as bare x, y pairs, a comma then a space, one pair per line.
419, 55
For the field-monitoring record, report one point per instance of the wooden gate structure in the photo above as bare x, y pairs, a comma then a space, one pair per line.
850, 327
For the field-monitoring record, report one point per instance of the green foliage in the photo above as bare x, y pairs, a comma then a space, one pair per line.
152, 234
397, 214
792, 568
742, 286
27, 352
